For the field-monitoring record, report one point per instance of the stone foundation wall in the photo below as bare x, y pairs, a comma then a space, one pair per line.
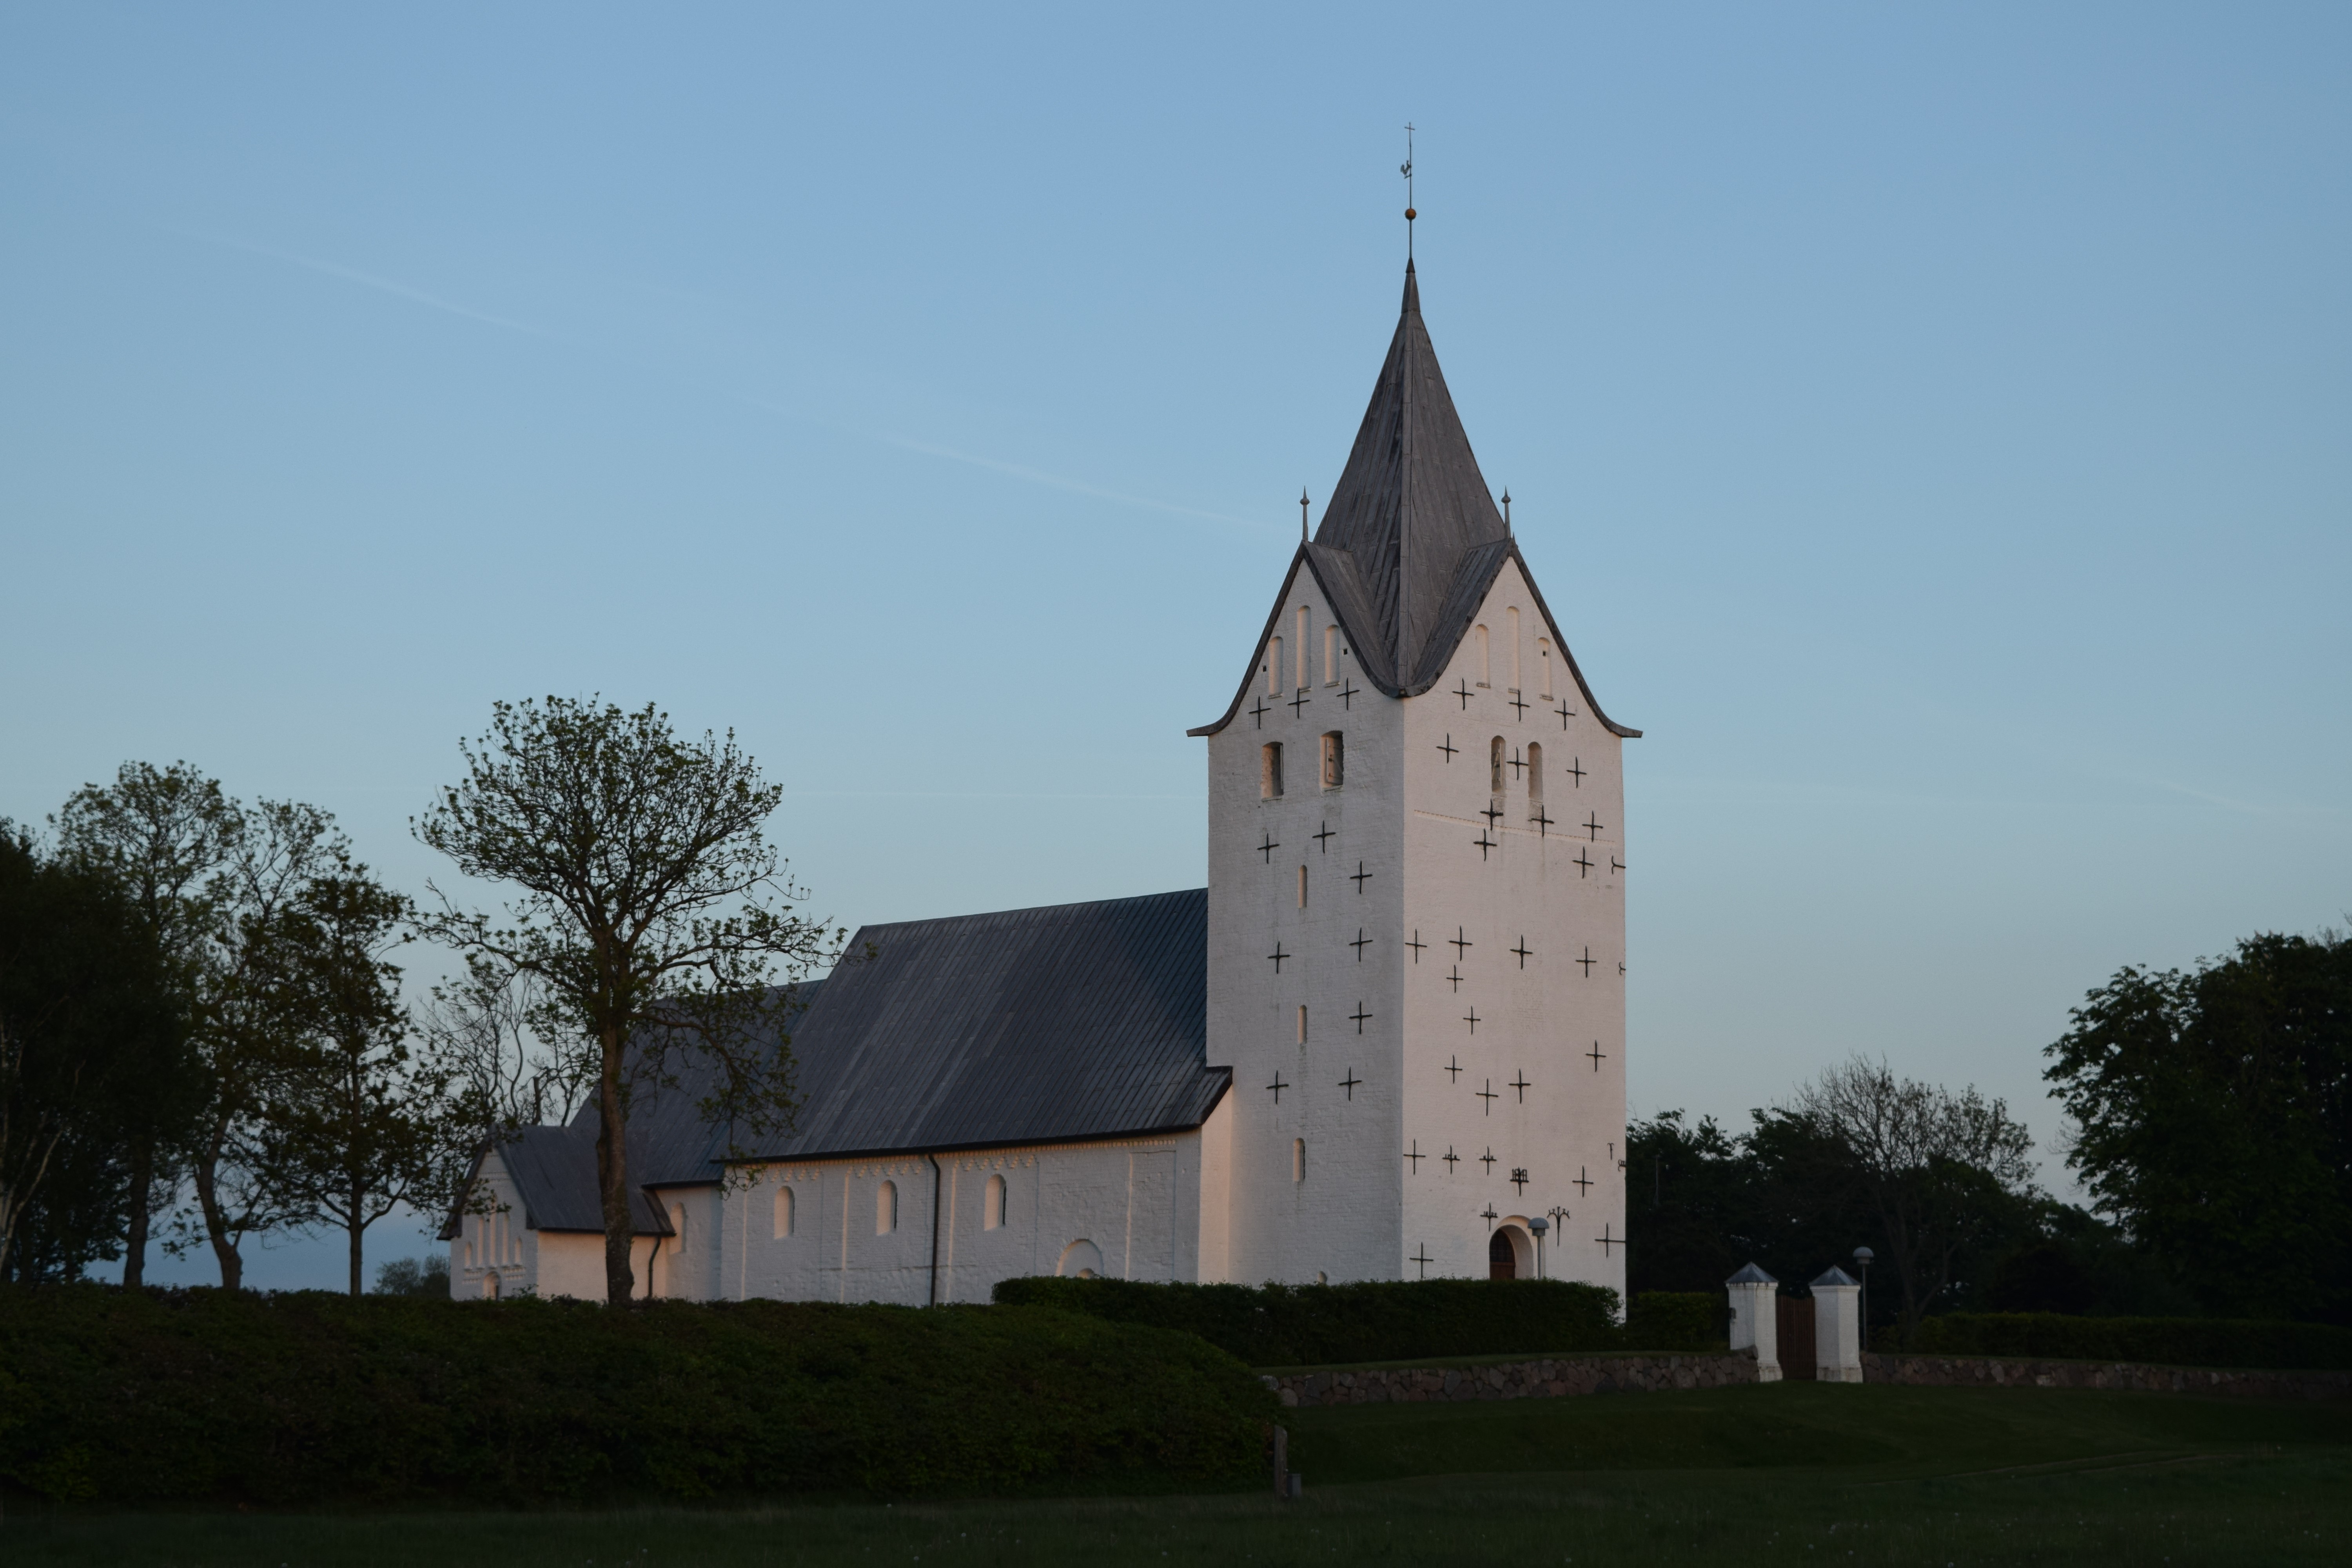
1545, 1379
1941, 1372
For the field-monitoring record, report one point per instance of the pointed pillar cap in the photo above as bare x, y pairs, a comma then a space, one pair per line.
1751, 1275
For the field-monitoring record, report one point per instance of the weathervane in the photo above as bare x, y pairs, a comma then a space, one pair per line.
1405, 169
1302, 514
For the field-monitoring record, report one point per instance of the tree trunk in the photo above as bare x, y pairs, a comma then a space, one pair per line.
613, 1177
135, 1238
358, 1228
232, 1266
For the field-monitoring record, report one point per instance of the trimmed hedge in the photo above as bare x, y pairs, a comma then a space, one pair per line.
1318, 1325
304, 1398
2164, 1341
1678, 1320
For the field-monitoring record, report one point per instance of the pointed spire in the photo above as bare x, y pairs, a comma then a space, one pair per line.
1411, 502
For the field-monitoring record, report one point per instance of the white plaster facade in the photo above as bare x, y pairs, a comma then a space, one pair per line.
1405, 900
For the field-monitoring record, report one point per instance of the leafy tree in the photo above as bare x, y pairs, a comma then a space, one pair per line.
164, 835
427, 1277
86, 1024
2213, 1111
648, 906
248, 1025
352, 1122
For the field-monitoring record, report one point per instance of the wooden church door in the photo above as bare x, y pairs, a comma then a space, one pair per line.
1502, 1262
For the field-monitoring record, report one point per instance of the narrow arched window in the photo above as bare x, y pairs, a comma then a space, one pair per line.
885, 1208
1485, 660
1543, 658
991, 1204
1511, 629
1302, 887
1534, 774
1330, 656
677, 1229
1298, 1159
1274, 667
1335, 760
783, 1213
1495, 766
1269, 770
1302, 1023
1306, 625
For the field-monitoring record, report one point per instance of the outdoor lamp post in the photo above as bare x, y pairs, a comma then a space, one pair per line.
1538, 1224
1862, 1256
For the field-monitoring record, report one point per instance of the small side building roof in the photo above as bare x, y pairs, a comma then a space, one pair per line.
1068, 1023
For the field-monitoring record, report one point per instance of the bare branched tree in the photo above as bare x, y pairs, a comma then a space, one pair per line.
1937, 1166
512, 1063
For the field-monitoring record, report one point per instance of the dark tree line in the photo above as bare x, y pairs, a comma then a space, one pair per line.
2211, 1125
205, 1037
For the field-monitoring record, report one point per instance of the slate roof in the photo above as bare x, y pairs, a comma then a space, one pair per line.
1061, 1023
1410, 540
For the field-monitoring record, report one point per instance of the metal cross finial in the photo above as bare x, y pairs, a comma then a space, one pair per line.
1507, 508
1302, 514
1405, 169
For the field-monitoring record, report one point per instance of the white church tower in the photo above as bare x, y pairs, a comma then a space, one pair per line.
1417, 916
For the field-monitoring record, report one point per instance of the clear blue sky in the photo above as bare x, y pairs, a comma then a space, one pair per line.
1934, 428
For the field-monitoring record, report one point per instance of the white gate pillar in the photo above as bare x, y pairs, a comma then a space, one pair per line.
1837, 1328
1755, 1318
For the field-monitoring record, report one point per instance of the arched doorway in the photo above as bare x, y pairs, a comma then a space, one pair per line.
1502, 1260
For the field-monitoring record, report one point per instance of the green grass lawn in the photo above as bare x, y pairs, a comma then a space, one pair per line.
1786, 1473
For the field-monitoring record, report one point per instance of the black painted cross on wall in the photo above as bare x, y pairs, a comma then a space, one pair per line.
1268, 845
1521, 1084
1347, 696
1278, 1086
1416, 944
1523, 949
1598, 1055
1465, 693
1487, 1159
1519, 703
1582, 1183
1278, 956
1301, 700
1454, 1067
1593, 826
1415, 1156
1450, 749
1472, 1019
1359, 1015
1588, 961
1423, 1259
1460, 940
1456, 976
1565, 712
1484, 843
1584, 863
1361, 942
1576, 771
1490, 1094
1519, 1178
1322, 847
1351, 1082
1260, 711
1450, 1159
1360, 877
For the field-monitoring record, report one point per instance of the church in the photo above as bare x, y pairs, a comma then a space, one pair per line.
1384, 1041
